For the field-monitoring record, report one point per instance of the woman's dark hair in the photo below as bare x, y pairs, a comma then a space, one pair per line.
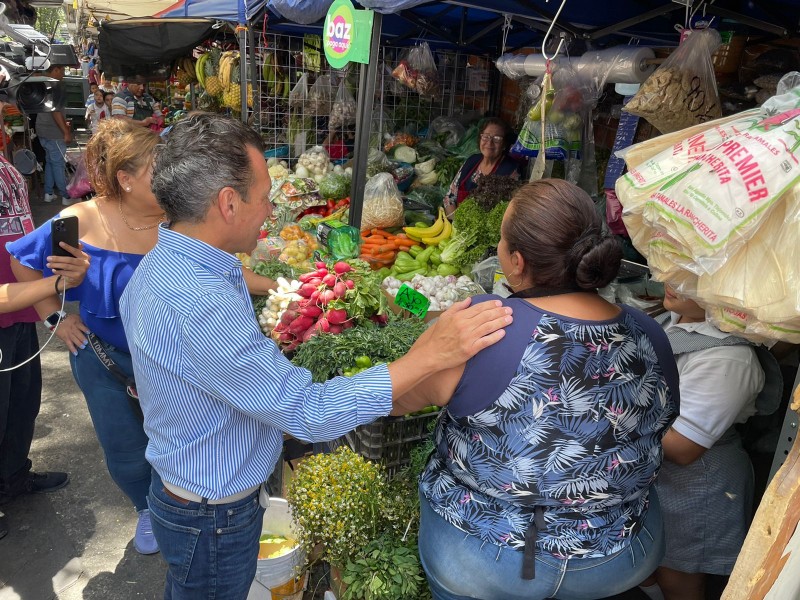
508, 134
554, 225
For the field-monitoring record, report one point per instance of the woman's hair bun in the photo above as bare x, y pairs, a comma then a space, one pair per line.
599, 263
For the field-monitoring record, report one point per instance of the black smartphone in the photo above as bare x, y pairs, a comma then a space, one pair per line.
64, 229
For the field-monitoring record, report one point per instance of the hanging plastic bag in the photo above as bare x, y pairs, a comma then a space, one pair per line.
79, 184
418, 71
447, 131
320, 96
343, 111
682, 92
383, 203
299, 93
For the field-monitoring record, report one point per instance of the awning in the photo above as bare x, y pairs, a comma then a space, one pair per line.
237, 11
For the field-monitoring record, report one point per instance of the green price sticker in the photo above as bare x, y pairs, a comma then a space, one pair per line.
411, 300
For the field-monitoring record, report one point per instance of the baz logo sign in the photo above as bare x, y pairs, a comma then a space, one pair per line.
347, 34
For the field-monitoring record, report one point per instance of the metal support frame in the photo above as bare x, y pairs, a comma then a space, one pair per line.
424, 26
253, 64
617, 27
366, 93
488, 29
243, 68
745, 20
788, 434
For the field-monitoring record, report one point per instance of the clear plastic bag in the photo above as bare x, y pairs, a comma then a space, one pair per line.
448, 126
343, 111
320, 96
383, 204
418, 71
299, 93
377, 162
682, 92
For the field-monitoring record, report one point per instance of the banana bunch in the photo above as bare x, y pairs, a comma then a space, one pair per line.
433, 235
211, 80
200, 69
228, 64
276, 80
185, 71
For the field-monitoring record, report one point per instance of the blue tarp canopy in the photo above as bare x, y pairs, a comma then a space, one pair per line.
477, 24
238, 11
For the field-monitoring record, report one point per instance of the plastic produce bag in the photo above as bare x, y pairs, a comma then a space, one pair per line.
299, 93
418, 71
377, 162
447, 131
320, 96
79, 184
682, 92
383, 204
343, 111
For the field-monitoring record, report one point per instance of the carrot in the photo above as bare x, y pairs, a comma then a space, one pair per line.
405, 243
382, 232
383, 257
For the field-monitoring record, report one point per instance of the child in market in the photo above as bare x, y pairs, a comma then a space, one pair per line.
97, 111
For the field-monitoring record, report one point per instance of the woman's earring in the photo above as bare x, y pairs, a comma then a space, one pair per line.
127, 189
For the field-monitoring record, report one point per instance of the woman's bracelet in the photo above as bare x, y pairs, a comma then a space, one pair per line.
56, 285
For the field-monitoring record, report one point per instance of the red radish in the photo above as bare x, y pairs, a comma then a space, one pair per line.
292, 347
347, 324
326, 296
288, 316
316, 281
336, 316
350, 284
311, 310
323, 325
306, 290
285, 337
341, 268
309, 334
293, 305
329, 280
300, 324
320, 265
339, 290
306, 277
380, 319
336, 328
314, 297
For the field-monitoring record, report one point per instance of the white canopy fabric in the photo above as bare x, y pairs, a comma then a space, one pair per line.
129, 8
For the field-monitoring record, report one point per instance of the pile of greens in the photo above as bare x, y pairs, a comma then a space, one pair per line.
273, 268
475, 232
492, 189
326, 355
447, 170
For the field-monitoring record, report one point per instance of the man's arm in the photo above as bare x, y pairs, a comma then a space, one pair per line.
257, 285
61, 123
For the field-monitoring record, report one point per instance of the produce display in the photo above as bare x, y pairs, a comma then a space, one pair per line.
442, 291
380, 247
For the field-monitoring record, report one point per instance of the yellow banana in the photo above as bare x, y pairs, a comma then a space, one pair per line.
200, 69
445, 234
429, 232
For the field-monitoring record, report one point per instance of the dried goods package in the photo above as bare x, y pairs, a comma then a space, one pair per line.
682, 92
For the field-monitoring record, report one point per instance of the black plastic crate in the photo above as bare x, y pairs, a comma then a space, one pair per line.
389, 440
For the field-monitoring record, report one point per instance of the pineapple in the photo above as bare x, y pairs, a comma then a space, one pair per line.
233, 95
213, 84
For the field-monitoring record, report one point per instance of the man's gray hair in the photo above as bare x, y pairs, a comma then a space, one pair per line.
203, 154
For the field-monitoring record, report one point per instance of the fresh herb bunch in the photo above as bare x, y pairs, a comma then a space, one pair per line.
273, 268
447, 170
476, 231
490, 190
400, 514
325, 355
387, 569
336, 499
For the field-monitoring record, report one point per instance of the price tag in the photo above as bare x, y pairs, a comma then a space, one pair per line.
411, 300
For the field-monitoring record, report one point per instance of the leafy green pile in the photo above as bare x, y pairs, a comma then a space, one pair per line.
493, 189
274, 268
447, 169
325, 355
476, 231
335, 185
387, 569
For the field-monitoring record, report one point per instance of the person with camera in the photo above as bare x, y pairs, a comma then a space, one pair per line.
55, 135
21, 387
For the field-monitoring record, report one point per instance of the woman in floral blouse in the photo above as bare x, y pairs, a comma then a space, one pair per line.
540, 485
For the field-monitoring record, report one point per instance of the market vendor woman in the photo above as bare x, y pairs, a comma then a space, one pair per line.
495, 138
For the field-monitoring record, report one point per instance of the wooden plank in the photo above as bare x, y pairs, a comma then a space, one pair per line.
764, 554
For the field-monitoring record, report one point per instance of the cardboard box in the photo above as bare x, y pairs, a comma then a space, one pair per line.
430, 316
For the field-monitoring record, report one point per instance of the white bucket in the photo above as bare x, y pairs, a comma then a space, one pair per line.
277, 572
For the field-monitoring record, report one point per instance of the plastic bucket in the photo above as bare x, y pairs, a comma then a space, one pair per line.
280, 575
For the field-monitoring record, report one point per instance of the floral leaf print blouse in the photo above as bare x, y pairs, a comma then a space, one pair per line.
569, 421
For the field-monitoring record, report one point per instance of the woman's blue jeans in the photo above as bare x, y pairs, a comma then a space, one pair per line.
55, 166
461, 566
211, 550
119, 430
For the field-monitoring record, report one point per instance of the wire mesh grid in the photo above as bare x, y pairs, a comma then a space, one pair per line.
301, 100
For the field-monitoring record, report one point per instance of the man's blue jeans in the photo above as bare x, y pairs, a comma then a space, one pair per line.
118, 428
211, 550
55, 166
461, 566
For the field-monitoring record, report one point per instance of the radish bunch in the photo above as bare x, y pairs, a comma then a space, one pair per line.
321, 307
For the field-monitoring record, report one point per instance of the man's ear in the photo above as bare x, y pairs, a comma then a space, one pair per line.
228, 204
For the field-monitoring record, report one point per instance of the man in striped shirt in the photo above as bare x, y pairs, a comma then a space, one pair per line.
217, 395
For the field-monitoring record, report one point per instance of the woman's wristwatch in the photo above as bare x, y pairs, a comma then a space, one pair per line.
54, 319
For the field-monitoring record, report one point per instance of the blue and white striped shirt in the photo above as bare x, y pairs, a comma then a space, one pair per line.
216, 393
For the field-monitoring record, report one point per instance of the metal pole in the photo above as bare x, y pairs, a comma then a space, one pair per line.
251, 37
243, 69
366, 97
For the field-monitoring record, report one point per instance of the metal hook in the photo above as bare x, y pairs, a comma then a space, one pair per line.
549, 30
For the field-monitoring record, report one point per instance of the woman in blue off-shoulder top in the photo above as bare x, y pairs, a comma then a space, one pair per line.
540, 484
